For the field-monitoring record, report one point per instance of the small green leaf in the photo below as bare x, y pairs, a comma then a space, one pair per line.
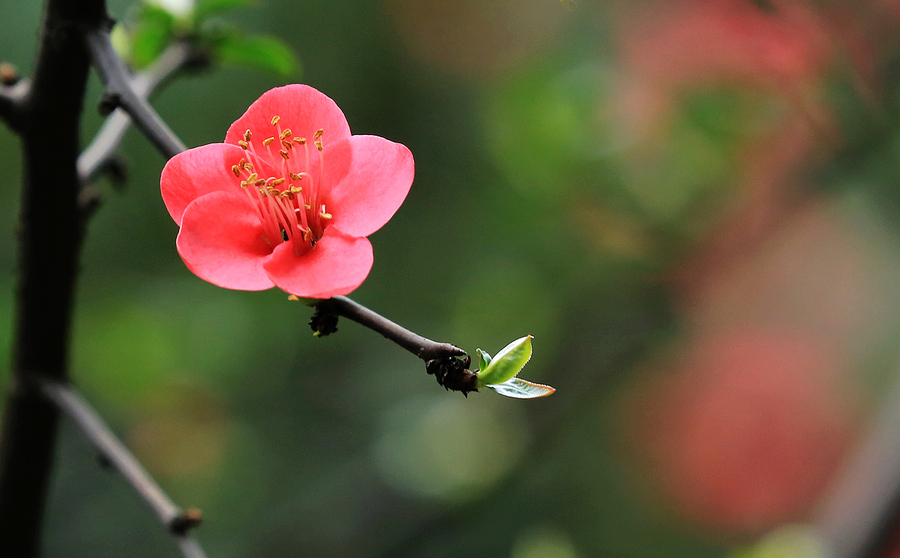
121, 41
152, 35
207, 8
522, 389
484, 358
507, 363
258, 52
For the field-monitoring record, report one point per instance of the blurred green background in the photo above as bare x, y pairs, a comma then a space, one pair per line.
691, 204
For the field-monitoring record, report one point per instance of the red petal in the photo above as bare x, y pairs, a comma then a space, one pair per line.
221, 241
302, 109
336, 266
196, 172
379, 174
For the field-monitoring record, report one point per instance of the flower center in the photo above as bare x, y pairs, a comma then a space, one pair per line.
289, 203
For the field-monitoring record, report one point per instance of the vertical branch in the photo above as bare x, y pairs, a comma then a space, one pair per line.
50, 232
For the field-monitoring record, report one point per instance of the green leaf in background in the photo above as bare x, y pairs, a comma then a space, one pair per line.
507, 363
208, 8
522, 389
152, 34
258, 52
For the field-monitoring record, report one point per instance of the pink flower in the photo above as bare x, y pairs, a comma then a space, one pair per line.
288, 200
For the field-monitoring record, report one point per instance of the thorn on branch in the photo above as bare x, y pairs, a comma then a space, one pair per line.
109, 102
323, 322
89, 200
453, 373
185, 521
9, 75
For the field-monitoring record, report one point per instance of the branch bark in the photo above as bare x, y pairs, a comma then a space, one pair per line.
50, 233
175, 58
424, 348
121, 93
174, 519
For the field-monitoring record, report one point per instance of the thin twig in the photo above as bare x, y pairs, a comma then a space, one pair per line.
176, 57
189, 547
120, 93
173, 518
425, 349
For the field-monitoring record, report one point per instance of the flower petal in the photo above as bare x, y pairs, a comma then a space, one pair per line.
196, 172
302, 109
378, 176
221, 241
336, 266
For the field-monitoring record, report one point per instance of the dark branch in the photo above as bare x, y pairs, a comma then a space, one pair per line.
425, 349
50, 232
120, 93
99, 153
70, 402
441, 359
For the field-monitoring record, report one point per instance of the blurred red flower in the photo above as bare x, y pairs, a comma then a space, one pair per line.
288, 200
746, 431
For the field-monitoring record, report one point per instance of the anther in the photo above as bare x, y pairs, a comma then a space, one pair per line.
318, 144
247, 135
243, 144
318, 134
275, 120
285, 133
295, 176
259, 182
301, 141
287, 144
278, 181
236, 170
285, 154
268, 141
252, 177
